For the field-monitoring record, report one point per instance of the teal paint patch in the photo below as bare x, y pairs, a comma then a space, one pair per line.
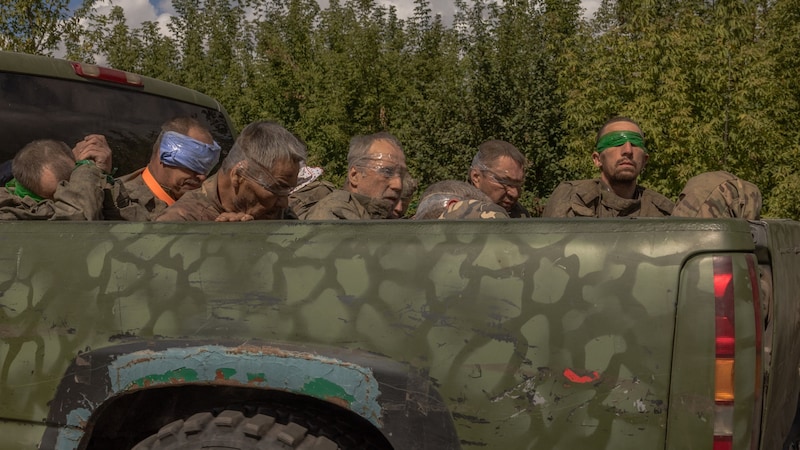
266, 367
322, 388
69, 436
172, 376
256, 378
225, 373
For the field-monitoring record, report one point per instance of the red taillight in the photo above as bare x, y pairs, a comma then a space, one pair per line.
725, 339
725, 333
106, 74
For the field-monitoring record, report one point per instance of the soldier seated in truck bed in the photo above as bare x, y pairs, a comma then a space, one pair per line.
49, 184
183, 155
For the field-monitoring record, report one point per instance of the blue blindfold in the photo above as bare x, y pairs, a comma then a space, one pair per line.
178, 150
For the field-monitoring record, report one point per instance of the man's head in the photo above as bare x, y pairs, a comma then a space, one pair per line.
435, 200
183, 156
409, 188
498, 170
620, 153
41, 165
376, 167
261, 170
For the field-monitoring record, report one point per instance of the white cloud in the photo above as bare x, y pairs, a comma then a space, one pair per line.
140, 11
447, 8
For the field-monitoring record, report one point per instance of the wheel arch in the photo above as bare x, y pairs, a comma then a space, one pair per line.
393, 399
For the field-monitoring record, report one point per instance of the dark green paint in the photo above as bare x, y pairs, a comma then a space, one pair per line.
172, 376
322, 388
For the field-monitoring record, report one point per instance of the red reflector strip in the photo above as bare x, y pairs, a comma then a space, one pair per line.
106, 74
725, 344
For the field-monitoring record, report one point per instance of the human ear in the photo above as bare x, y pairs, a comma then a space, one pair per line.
236, 175
596, 159
353, 176
474, 176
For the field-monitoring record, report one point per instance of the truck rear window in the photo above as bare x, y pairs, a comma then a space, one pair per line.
35, 107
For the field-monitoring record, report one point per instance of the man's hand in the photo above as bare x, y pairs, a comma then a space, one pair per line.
234, 217
94, 148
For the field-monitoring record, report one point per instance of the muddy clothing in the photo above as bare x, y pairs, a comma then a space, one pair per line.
302, 200
593, 198
719, 194
139, 193
79, 199
345, 205
518, 212
201, 205
474, 209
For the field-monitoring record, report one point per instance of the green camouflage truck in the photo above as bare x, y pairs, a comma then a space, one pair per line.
517, 334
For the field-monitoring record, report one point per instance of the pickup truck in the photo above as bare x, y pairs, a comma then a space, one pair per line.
515, 334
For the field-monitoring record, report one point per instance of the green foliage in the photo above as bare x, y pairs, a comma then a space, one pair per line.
32, 26
713, 84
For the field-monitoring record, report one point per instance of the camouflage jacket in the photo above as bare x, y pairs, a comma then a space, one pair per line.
593, 198
302, 200
141, 194
719, 194
86, 196
474, 209
345, 205
201, 205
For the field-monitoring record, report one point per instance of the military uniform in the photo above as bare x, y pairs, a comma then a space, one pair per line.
474, 209
201, 205
719, 194
593, 198
303, 199
139, 193
79, 199
345, 205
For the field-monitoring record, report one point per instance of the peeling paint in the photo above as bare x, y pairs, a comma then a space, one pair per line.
339, 382
170, 376
70, 435
322, 388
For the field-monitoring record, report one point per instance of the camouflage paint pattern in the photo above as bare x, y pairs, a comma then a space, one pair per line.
552, 334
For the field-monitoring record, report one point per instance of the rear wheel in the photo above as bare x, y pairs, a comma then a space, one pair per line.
232, 430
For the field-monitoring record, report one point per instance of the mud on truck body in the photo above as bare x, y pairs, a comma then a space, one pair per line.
543, 334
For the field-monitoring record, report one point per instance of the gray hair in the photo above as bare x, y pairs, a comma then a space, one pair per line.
265, 143
360, 145
435, 199
491, 151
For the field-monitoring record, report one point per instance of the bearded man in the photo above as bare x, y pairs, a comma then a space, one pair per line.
621, 155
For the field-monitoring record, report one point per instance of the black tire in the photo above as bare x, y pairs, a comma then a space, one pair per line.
232, 430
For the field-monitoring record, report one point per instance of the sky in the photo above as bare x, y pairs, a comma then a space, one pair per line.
159, 11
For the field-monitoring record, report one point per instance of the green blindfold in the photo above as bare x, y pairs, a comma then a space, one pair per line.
16, 188
619, 138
